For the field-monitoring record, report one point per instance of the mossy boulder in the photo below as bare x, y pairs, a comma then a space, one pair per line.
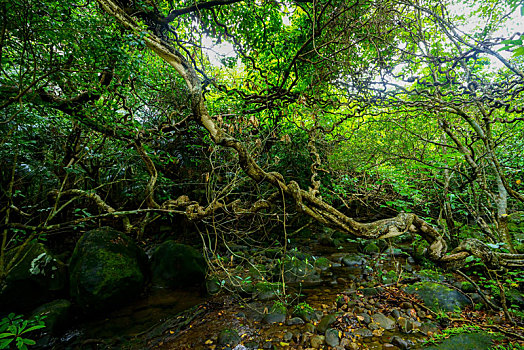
323, 263
439, 297
107, 270
175, 265
34, 279
56, 315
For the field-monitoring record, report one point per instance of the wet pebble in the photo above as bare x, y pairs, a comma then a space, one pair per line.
288, 336
364, 318
294, 321
317, 341
332, 337
395, 313
383, 321
310, 328
401, 343
363, 332
406, 305
345, 343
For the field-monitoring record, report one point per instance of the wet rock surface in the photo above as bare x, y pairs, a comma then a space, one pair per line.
439, 297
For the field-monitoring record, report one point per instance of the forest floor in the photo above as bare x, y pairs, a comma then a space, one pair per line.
353, 301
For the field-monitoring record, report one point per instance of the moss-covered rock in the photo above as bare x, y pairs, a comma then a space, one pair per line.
56, 315
177, 265
323, 263
107, 270
36, 276
438, 297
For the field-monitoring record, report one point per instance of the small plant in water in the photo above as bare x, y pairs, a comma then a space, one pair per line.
14, 329
303, 306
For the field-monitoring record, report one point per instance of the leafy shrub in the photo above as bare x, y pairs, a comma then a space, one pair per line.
14, 329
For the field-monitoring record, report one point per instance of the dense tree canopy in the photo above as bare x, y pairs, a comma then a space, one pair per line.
346, 112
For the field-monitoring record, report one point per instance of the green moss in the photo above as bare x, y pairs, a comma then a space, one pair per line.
438, 297
107, 270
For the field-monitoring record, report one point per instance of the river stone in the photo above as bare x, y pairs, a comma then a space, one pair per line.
371, 291
332, 338
33, 279
325, 322
383, 321
107, 269
322, 263
277, 314
406, 325
177, 265
295, 320
402, 343
363, 332
438, 297
228, 337
213, 286
467, 341
317, 341
353, 261
56, 315
364, 317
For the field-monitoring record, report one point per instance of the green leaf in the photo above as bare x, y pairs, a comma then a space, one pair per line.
33, 328
4, 343
29, 341
518, 52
